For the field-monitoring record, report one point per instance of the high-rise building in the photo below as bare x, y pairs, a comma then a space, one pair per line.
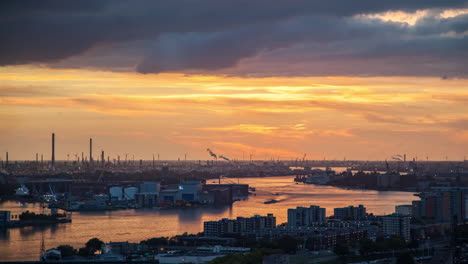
303, 216
406, 209
398, 225
443, 205
350, 213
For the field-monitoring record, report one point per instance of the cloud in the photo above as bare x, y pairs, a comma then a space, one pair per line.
30, 91
211, 35
293, 132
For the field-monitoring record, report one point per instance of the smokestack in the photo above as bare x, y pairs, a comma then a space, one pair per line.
6, 161
42, 159
90, 150
82, 157
37, 158
53, 151
102, 158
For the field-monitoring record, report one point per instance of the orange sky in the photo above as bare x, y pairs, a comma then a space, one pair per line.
85, 95
281, 117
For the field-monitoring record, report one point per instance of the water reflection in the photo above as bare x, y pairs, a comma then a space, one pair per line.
4, 234
136, 225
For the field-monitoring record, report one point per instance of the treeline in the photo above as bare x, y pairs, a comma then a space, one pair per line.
91, 247
382, 247
177, 240
369, 180
31, 216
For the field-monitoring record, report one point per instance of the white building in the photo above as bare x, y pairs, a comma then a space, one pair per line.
129, 193
188, 191
150, 188
185, 258
202, 254
148, 194
116, 193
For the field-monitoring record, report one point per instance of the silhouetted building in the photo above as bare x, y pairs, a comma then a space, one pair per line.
5, 217
404, 209
350, 213
398, 225
387, 180
241, 225
442, 205
303, 216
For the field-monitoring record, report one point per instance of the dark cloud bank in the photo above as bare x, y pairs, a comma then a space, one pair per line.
264, 37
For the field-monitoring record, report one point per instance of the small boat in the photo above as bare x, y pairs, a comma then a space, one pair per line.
271, 201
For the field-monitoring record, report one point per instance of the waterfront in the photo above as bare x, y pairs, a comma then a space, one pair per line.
137, 225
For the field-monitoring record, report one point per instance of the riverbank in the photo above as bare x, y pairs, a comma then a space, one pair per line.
351, 187
19, 223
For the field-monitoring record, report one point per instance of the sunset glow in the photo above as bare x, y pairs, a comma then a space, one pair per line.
280, 117
378, 81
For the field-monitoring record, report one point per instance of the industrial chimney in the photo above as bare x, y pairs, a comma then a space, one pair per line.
90, 150
53, 151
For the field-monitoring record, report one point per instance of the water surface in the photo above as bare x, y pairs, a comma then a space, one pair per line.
137, 225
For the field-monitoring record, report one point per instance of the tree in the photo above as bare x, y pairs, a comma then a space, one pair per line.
85, 252
367, 246
405, 258
66, 250
94, 244
341, 249
286, 243
413, 244
155, 241
395, 242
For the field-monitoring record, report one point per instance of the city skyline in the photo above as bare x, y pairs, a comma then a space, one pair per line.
226, 132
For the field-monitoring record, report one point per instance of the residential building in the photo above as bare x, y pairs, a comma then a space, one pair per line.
303, 216
442, 205
398, 225
350, 213
406, 209
241, 225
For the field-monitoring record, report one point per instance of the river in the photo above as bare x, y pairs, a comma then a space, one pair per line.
136, 225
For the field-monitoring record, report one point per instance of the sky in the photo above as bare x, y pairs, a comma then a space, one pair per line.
335, 79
